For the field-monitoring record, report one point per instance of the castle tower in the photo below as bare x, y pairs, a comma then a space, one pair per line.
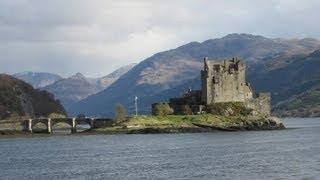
224, 81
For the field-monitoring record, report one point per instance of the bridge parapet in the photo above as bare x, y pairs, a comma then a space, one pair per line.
73, 122
29, 124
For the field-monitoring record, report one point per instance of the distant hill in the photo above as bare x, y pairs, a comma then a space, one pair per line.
38, 79
306, 104
72, 89
18, 97
171, 71
77, 87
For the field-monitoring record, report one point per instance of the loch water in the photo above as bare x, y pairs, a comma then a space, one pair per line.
293, 153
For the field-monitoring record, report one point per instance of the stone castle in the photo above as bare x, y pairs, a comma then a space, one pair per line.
223, 81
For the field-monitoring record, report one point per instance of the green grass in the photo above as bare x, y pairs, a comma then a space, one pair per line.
170, 120
178, 121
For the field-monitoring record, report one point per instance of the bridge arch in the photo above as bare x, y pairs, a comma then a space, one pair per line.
84, 121
39, 122
61, 121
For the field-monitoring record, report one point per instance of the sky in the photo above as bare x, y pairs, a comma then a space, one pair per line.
95, 37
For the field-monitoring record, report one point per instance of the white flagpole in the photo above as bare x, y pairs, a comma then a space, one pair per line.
136, 104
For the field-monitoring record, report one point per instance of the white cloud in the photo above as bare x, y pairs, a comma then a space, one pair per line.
97, 36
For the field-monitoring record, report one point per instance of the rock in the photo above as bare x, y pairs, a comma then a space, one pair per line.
267, 123
275, 120
214, 127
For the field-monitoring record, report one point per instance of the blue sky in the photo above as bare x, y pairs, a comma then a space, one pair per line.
95, 37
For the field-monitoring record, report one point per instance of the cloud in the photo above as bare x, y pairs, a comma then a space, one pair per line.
97, 36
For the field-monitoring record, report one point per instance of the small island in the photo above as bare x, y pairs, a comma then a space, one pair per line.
225, 103
189, 124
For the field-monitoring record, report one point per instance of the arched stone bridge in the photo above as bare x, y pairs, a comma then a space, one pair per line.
72, 122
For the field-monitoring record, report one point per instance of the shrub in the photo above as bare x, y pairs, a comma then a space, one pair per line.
120, 113
14, 116
162, 109
228, 109
56, 115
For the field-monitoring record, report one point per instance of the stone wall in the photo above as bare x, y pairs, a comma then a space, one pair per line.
261, 104
190, 99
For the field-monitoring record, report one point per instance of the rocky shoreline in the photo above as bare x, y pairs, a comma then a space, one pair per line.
270, 123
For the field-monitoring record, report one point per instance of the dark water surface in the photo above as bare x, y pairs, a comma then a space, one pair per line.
283, 154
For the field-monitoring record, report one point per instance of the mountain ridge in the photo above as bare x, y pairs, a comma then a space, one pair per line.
77, 87
37, 79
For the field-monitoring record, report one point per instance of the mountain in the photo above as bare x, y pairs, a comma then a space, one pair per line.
301, 74
160, 74
294, 86
77, 87
72, 89
103, 82
18, 97
38, 79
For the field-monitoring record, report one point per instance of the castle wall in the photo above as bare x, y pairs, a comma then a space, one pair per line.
224, 81
261, 104
191, 99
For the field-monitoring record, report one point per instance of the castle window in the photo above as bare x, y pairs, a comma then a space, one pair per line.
217, 68
215, 80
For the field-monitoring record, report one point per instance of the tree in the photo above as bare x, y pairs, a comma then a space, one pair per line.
56, 115
162, 109
120, 113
